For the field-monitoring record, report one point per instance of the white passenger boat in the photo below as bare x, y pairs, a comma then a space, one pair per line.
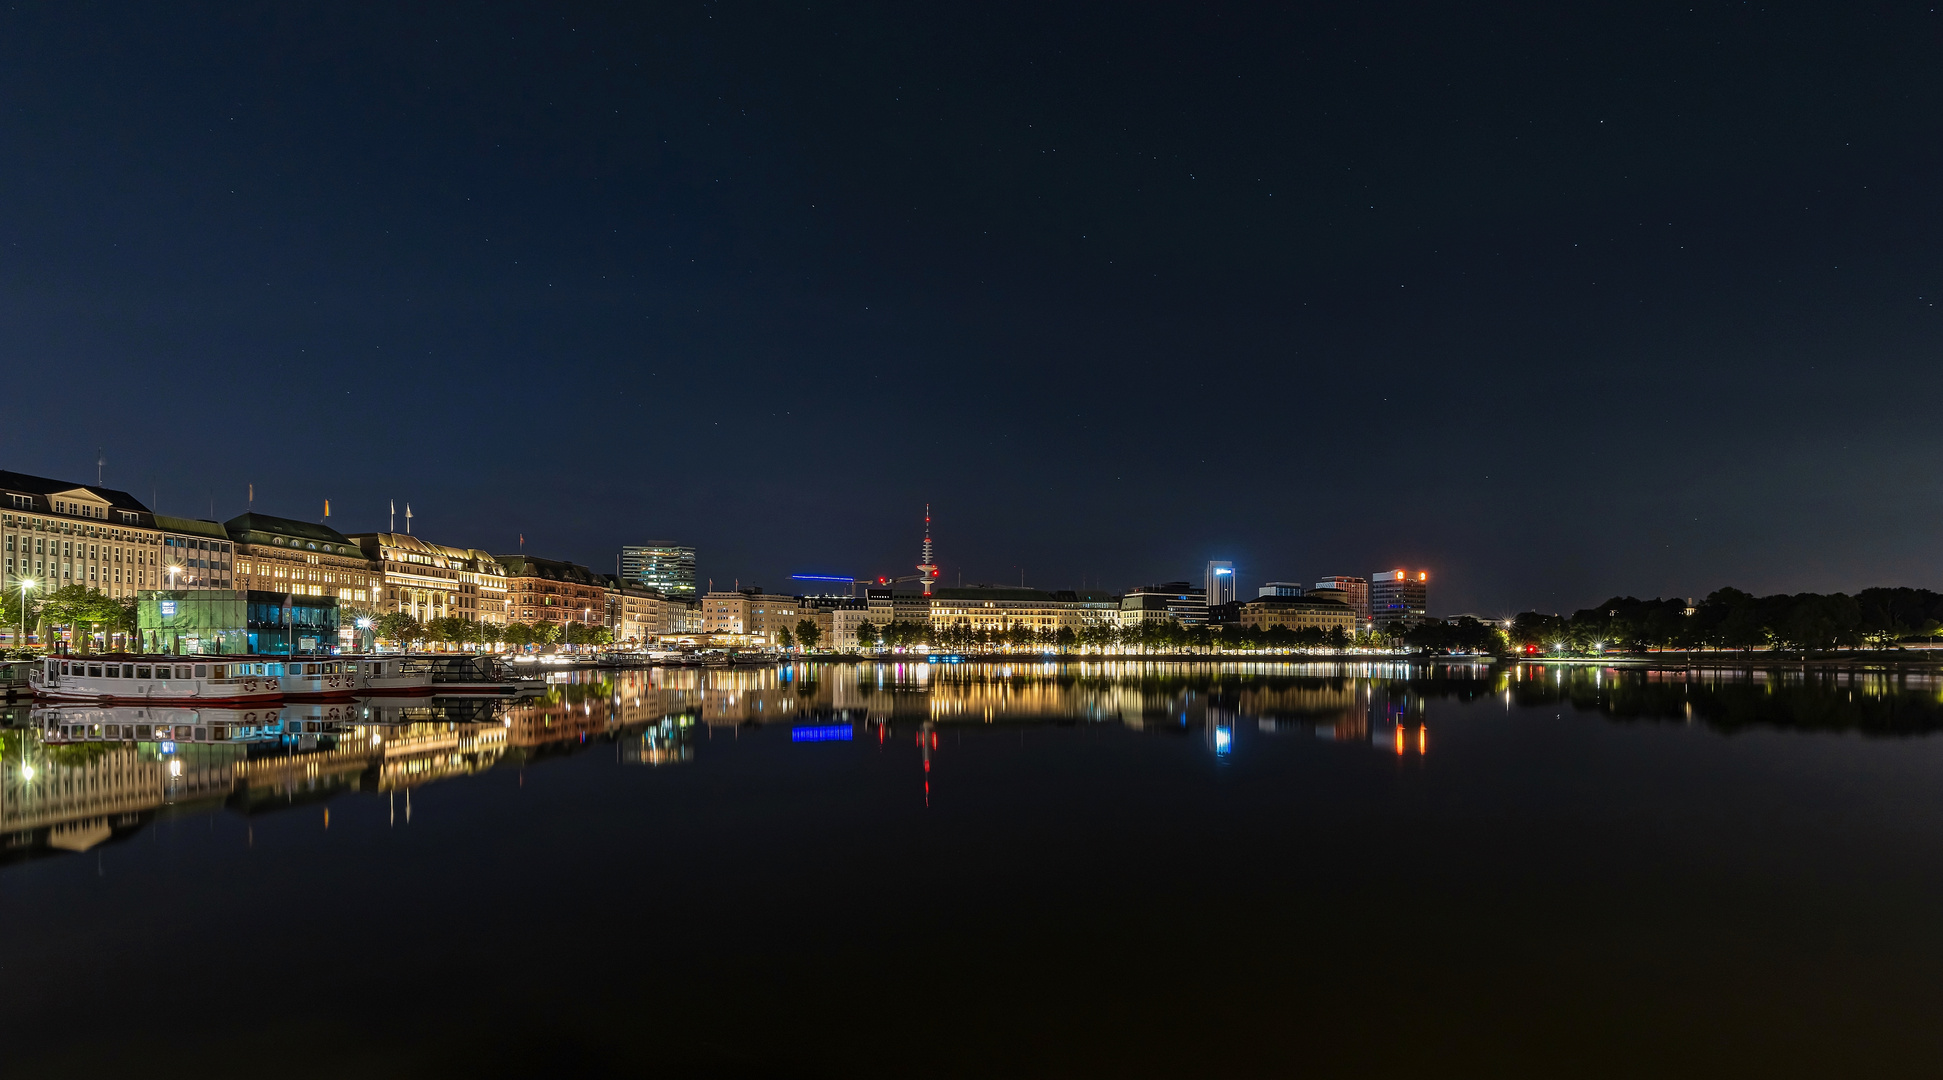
150, 679
159, 724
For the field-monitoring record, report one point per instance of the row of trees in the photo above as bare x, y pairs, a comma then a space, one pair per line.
405, 629
77, 608
1731, 619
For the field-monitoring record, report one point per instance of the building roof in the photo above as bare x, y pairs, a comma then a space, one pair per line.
40, 487
628, 586
191, 526
1315, 602
455, 556
982, 593
254, 528
1179, 589
549, 569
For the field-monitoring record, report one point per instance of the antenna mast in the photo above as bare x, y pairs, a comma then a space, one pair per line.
928, 569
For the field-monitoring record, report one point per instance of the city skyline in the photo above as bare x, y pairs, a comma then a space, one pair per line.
1556, 307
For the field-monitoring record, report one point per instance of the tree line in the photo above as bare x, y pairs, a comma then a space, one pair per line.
403, 628
1879, 618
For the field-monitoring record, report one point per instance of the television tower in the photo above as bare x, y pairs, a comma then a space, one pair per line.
928, 569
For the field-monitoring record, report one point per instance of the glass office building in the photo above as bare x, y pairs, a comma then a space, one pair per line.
234, 622
666, 568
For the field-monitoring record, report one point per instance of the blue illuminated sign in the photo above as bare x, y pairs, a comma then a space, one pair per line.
821, 733
1224, 740
820, 577
168, 608
168, 748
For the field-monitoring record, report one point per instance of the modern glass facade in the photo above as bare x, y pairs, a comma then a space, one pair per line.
236, 622
666, 568
191, 621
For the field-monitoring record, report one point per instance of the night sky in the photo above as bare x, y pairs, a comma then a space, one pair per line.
1554, 302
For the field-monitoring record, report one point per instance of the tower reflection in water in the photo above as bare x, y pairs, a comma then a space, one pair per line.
73, 777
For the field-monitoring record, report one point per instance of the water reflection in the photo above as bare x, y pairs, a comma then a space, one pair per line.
73, 777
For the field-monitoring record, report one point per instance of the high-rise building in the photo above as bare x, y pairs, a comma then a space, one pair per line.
1357, 593
1280, 588
1220, 583
666, 568
1399, 596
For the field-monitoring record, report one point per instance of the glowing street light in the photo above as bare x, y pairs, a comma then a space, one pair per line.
25, 584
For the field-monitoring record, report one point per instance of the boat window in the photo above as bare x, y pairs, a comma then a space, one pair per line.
143, 731
202, 671
142, 672
94, 731
202, 734
181, 671
218, 671
94, 671
128, 671
219, 732
64, 668
114, 731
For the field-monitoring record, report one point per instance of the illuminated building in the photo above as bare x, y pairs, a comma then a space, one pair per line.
546, 590
195, 554
887, 605
432, 581
750, 611
1399, 596
1297, 613
1356, 589
1179, 599
58, 533
839, 618
276, 554
1280, 588
668, 569
1221, 587
640, 614
989, 607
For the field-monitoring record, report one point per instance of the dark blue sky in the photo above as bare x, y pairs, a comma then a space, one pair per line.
1555, 302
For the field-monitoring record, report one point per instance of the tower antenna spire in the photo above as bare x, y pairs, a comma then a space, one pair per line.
928, 569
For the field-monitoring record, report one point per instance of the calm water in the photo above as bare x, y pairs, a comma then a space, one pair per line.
1067, 870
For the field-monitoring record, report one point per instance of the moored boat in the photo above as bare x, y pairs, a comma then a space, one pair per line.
316, 679
392, 674
150, 679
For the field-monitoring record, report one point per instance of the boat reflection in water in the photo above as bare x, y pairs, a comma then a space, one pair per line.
75, 776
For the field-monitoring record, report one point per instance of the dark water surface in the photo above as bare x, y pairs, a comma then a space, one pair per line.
1075, 870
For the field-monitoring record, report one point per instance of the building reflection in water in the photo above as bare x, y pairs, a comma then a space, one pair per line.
74, 777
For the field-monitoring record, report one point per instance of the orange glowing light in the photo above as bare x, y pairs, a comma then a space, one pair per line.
1399, 740
1423, 737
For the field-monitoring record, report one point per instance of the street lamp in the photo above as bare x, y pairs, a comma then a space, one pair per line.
25, 584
